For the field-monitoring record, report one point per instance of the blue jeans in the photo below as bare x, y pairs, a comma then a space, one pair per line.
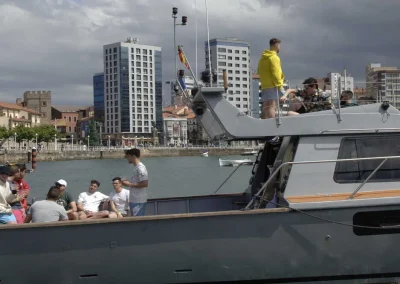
6, 218
137, 209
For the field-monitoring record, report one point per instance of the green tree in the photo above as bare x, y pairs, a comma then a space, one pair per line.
23, 133
45, 133
94, 139
4, 133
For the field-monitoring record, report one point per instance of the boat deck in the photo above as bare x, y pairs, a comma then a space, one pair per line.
344, 196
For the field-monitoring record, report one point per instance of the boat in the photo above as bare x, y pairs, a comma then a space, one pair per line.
233, 163
322, 205
204, 153
249, 152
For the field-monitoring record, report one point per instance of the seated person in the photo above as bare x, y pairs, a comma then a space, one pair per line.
48, 210
66, 200
89, 203
119, 200
310, 99
346, 99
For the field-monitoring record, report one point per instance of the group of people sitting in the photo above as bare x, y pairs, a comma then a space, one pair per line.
311, 98
59, 205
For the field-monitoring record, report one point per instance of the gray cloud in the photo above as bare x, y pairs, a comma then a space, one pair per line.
57, 45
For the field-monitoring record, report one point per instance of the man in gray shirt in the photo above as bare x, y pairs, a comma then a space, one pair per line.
48, 210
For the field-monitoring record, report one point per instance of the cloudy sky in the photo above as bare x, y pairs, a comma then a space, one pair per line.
57, 44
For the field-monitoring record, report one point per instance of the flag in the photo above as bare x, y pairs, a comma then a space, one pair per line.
182, 57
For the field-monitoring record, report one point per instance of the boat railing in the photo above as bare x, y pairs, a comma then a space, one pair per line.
273, 175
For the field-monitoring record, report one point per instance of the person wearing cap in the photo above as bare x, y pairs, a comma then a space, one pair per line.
66, 200
6, 197
271, 79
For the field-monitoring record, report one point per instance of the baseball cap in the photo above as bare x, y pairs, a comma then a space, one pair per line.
5, 170
62, 182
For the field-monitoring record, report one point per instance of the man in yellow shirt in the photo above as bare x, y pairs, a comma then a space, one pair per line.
271, 78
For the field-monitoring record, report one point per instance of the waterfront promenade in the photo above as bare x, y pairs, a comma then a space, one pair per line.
82, 153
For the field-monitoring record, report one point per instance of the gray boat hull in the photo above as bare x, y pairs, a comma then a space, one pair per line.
268, 245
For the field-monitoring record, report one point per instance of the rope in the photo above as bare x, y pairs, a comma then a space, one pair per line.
228, 177
325, 220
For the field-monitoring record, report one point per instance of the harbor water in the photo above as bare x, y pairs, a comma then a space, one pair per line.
168, 176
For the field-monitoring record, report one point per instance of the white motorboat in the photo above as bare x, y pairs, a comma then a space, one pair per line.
205, 154
249, 152
234, 163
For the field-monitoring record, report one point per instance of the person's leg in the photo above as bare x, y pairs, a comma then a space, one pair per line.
19, 215
112, 215
137, 209
268, 109
100, 215
7, 218
73, 216
82, 215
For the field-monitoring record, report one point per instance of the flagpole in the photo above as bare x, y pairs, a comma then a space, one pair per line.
195, 12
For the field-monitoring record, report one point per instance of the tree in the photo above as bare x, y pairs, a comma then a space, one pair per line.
94, 139
23, 133
45, 133
4, 133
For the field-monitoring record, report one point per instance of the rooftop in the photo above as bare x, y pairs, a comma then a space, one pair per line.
68, 108
17, 107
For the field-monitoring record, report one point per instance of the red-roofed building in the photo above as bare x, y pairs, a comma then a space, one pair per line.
12, 115
182, 127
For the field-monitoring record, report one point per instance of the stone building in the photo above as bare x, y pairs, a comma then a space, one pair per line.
39, 101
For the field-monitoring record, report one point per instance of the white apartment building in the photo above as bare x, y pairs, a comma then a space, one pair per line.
232, 55
132, 88
340, 83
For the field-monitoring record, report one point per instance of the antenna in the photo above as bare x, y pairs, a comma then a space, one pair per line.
195, 12
209, 47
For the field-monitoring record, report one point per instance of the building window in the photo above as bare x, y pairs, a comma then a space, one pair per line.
69, 119
74, 118
366, 147
238, 106
229, 50
244, 52
237, 51
44, 115
220, 49
237, 58
220, 63
138, 50
221, 56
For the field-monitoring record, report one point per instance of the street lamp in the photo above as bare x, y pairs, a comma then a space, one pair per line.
15, 140
72, 141
36, 140
184, 21
109, 142
55, 142
88, 138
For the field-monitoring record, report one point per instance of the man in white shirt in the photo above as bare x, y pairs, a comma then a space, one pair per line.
119, 200
138, 183
6, 197
89, 203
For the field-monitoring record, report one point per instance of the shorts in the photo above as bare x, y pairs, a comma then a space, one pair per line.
137, 209
271, 94
6, 218
19, 215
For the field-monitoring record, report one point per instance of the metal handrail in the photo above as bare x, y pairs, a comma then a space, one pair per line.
376, 130
319, 162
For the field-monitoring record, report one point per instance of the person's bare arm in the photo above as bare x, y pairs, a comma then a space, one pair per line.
73, 207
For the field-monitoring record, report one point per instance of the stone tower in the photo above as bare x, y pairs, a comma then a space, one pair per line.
39, 101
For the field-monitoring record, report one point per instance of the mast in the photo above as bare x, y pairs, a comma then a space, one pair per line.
195, 14
209, 47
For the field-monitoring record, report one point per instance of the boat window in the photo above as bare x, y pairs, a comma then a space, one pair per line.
364, 147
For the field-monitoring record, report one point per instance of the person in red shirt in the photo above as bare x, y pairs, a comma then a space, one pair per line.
22, 185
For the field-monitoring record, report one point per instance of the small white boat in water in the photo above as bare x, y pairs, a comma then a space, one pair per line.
204, 154
234, 163
249, 152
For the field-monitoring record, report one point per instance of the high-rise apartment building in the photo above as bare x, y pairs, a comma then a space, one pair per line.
132, 88
98, 95
383, 83
233, 55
